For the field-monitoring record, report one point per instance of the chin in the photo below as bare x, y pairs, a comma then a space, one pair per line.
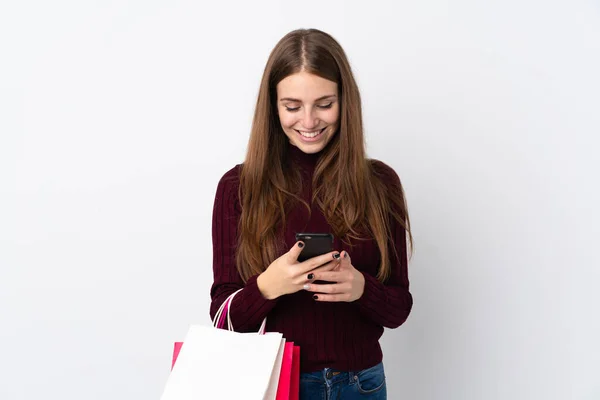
310, 148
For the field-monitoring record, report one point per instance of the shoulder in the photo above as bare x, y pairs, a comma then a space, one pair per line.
229, 183
231, 177
386, 174
389, 185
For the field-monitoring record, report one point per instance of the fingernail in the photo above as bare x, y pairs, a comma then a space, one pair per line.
336, 256
306, 286
315, 296
345, 254
301, 245
310, 276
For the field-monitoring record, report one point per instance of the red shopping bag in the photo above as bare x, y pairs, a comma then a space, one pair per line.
295, 376
176, 350
283, 387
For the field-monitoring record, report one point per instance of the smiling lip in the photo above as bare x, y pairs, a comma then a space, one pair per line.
308, 138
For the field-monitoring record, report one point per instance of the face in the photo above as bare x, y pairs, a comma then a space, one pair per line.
309, 110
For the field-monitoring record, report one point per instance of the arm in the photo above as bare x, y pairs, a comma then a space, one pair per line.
389, 304
249, 307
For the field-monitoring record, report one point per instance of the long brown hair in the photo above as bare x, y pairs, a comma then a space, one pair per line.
358, 202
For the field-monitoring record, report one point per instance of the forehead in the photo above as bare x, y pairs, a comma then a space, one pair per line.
305, 87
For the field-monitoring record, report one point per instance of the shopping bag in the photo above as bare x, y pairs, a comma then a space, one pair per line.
283, 388
220, 324
295, 375
176, 350
209, 360
271, 393
289, 379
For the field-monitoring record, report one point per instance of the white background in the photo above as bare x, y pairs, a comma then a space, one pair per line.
118, 118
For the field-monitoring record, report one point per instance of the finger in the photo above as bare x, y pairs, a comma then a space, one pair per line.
330, 266
311, 275
332, 297
294, 252
345, 259
329, 276
318, 261
337, 266
329, 288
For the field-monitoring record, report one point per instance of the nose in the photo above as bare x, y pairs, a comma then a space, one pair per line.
310, 121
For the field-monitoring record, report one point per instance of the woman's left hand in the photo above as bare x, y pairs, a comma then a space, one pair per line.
349, 283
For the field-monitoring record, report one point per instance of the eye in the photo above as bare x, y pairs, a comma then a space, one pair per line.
326, 106
292, 109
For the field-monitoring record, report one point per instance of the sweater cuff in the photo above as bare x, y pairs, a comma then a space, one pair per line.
254, 291
373, 297
254, 305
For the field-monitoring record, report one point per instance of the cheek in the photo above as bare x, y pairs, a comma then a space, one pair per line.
332, 117
287, 120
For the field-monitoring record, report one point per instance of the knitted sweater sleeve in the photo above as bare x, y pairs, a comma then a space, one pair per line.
249, 307
389, 304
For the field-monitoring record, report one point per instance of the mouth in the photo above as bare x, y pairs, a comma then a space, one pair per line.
310, 135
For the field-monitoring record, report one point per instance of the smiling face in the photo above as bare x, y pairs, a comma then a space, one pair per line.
309, 110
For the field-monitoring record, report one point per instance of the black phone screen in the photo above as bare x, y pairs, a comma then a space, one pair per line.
315, 244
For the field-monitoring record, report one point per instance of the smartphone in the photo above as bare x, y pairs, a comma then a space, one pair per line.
315, 244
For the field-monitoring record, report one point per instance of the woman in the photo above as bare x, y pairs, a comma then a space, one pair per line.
306, 171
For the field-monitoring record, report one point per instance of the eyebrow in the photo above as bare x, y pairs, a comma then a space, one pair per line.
300, 101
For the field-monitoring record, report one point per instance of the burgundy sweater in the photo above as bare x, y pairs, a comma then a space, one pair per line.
339, 335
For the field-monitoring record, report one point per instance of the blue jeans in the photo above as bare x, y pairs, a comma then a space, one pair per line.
329, 384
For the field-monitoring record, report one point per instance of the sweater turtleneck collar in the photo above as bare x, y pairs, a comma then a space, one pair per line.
304, 160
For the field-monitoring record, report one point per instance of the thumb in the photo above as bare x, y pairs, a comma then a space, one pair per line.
346, 262
294, 252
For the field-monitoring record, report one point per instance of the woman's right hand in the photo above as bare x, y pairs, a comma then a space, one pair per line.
286, 275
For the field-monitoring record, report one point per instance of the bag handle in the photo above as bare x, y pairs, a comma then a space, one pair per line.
219, 322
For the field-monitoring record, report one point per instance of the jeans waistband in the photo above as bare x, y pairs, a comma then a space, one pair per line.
332, 375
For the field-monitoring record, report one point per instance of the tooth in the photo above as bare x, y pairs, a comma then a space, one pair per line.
310, 134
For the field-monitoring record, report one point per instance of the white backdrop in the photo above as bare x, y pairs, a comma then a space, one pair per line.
117, 119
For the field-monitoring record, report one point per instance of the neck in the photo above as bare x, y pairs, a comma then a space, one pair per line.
302, 159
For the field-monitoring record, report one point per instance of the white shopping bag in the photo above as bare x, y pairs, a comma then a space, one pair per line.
271, 393
223, 364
